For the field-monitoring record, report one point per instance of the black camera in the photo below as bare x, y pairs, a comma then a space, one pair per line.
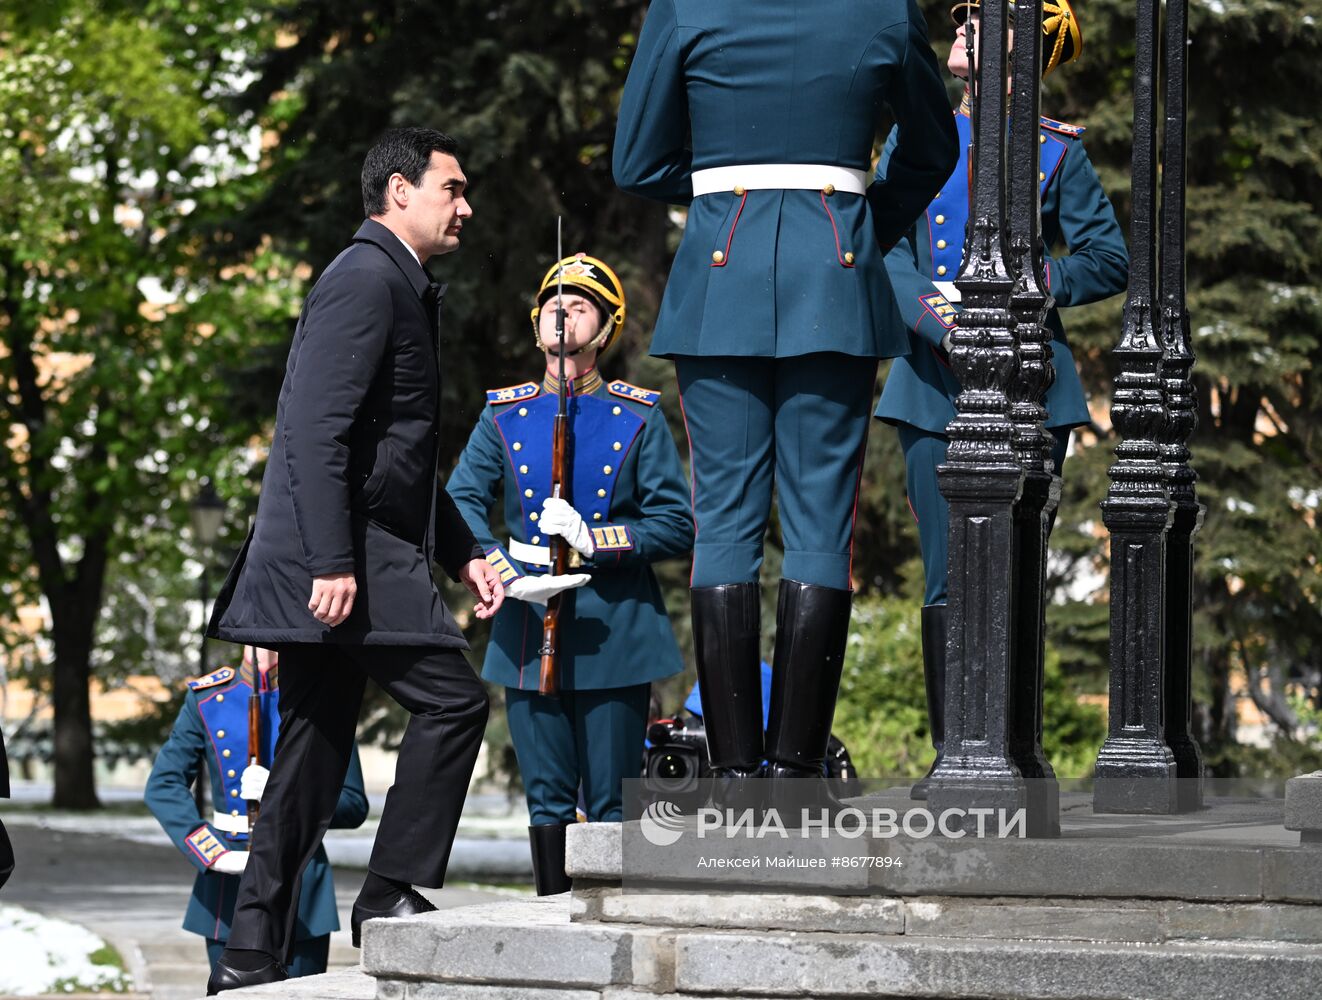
676, 761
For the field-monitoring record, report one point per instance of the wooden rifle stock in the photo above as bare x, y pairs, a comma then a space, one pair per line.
548, 681
254, 743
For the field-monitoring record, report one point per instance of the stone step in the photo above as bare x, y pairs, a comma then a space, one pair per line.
1198, 862
527, 948
1149, 921
337, 984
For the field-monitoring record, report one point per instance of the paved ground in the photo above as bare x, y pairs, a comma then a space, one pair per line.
133, 894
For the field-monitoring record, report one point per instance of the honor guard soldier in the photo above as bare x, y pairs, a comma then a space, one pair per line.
626, 508
212, 731
776, 311
919, 397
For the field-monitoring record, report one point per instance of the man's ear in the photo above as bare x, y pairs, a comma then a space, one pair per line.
397, 190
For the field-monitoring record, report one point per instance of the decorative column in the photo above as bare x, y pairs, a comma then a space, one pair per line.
982, 477
1135, 769
1182, 418
1040, 497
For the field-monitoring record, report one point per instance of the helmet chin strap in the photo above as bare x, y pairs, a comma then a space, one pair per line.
594, 343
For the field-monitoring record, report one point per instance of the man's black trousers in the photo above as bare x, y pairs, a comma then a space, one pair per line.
321, 689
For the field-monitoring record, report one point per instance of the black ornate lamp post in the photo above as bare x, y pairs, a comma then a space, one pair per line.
1035, 511
1135, 769
982, 479
1181, 419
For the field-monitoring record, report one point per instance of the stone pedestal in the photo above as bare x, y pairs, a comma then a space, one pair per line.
1303, 807
1118, 908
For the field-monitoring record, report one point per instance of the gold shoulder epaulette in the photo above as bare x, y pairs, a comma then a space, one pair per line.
648, 397
212, 679
511, 393
1064, 128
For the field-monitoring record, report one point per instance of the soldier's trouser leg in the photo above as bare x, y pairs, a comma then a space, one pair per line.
923, 453
728, 406
542, 730
320, 692
610, 726
823, 411
801, 423
310, 957
590, 739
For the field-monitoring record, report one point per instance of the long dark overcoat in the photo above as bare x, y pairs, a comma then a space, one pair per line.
350, 484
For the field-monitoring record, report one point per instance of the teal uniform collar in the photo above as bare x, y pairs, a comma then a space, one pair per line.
588, 382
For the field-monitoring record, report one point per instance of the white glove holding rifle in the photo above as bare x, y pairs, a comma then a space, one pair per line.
559, 518
252, 783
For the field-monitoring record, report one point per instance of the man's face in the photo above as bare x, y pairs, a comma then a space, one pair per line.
435, 210
582, 323
958, 63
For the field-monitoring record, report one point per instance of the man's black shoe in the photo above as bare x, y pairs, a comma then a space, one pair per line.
224, 978
409, 902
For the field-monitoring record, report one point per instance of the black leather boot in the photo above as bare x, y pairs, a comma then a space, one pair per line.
548, 858
727, 626
934, 677
812, 627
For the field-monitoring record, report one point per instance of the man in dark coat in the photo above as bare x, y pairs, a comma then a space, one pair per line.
350, 520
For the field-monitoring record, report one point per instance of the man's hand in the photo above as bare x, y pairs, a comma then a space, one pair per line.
332, 598
483, 582
540, 589
559, 518
231, 863
947, 343
252, 783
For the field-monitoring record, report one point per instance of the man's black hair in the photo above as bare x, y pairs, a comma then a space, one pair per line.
404, 151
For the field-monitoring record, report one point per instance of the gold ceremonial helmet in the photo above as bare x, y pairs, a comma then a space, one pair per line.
593, 279
1062, 39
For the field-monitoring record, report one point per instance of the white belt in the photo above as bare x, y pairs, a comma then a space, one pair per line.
779, 176
230, 824
538, 555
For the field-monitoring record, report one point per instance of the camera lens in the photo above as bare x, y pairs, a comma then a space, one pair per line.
672, 769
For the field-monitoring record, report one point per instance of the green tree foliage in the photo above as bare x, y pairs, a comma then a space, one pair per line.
112, 148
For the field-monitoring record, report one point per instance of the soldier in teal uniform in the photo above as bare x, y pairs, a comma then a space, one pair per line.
212, 728
626, 508
919, 397
762, 120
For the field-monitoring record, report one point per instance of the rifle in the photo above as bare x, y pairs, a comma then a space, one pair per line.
254, 738
548, 681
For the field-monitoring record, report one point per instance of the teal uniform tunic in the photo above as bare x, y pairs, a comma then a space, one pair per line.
615, 637
919, 396
212, 729
778, 306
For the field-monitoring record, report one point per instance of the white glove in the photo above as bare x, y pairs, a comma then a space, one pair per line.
231, 863
947, 342
253, 782
559, 518
540, 589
